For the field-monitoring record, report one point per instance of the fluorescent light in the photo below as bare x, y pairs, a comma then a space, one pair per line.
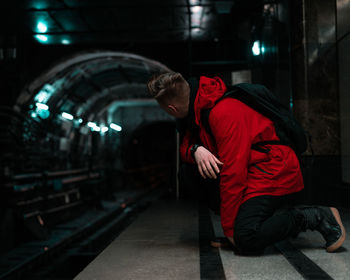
115, 127
42, 27
91, 124
41, 38
196, 9
67, 116
44, 94
104, 129
42, 110
96, 128
65, 42
42, 106
256, 48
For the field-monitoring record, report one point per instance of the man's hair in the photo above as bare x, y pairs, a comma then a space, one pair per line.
168, 87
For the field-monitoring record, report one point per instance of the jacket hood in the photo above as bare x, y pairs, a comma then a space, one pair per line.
209, 90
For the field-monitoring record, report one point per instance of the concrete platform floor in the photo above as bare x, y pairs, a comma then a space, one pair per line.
164, 243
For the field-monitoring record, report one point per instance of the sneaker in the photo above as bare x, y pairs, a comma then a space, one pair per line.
331, 228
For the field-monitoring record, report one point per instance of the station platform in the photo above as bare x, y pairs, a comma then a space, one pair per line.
171, 240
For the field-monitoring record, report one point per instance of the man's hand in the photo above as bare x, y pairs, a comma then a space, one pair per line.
208, 165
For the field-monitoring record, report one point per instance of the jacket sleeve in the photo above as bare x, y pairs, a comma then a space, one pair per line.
233, 142
188, 140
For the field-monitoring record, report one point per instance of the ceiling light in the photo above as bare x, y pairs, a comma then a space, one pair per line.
91, 124
41, 27
95, 128
67, 116
196, 30
196, 9
65, 42
256, 48
41, 38
104, 129
115, 127
42, 106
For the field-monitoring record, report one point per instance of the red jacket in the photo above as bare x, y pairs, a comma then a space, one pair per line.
246, 173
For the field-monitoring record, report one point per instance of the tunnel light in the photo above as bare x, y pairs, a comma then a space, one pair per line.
41, 38
115, 127
256, 48
196, 9
41, 27
96, 128
196, 17
91, 124
65, 42
196, 30
44, 94
42, 106
42, 110
67, 116
44, 114
42, 97
104, 129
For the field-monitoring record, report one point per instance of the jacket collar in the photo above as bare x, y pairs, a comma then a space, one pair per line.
209, 91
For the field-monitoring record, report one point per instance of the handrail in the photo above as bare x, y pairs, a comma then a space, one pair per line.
79, 178
49, 174
52, 210
64, 181
66, 172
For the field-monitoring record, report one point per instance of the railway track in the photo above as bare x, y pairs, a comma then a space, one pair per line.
72, 245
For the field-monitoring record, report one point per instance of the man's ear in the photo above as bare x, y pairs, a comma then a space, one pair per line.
172, 108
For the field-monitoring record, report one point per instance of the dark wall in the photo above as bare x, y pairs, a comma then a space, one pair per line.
316, 61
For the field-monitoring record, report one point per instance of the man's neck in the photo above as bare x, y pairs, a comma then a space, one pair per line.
194, 84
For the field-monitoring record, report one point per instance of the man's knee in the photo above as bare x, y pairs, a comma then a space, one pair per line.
248, 241
242, 237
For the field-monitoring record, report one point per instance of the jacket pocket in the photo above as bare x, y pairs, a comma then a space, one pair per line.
262, 170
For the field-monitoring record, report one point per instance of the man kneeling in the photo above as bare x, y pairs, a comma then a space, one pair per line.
256, 188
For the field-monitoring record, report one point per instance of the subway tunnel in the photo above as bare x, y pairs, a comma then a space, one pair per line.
94, 184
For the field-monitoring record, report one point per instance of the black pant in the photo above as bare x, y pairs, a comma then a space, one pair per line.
261, 220
264, 220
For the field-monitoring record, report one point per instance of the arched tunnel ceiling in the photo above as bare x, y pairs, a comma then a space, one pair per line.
99, 103
88, 82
